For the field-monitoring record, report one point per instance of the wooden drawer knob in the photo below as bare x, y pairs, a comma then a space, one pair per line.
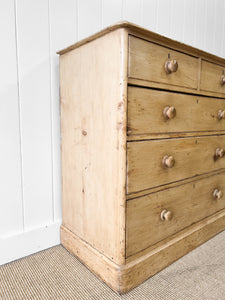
221, 114
171, 66
166, 215
168, 161
217, 194
222, 79
219, 152
169, 112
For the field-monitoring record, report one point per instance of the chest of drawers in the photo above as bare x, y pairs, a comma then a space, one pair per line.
142, 142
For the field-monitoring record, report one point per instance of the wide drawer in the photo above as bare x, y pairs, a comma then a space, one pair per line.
157, 216
147, 62
211, 77
147, 160
152, 111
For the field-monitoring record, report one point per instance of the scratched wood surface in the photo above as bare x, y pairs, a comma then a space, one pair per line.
193, 156
93, 128
193, 113
144, 224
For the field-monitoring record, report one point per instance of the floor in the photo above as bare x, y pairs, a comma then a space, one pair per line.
56, 274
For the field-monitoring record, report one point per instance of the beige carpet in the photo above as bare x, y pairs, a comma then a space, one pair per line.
56, 274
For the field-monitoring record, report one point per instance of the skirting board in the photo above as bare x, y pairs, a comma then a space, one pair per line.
125, 277
29, 242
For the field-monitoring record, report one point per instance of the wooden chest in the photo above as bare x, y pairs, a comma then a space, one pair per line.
143, 139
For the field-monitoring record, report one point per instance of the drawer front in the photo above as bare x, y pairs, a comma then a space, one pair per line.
147, 62
157, 216
151, 111
211, 75
147, 160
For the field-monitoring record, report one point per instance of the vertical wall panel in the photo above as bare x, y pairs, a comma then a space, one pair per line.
149, 14
189, 21
11, 217
34, 85
210, 25
200, 23
132, 11
111, 12
63, 32
164, 17
218, 29
177, 19
89, 17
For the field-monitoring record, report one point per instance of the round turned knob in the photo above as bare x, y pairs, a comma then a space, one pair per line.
171, 66
222, 79
217, 194
166, 215
168, 161
220, 152
169, 112
221, 114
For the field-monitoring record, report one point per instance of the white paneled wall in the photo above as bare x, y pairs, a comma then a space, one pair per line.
31, 32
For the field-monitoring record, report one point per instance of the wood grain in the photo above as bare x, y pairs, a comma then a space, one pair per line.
147, 62
123, 278
188, 203
106, 269
193, 156
166, 135
211, 77
171, 184
160, 227
93, 127
151, 262
151, 36
193, 113
164, 86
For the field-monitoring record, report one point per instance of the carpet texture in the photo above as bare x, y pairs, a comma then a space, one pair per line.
57, 274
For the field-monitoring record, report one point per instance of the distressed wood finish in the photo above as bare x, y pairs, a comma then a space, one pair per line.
152, 261
93, 189
171, 184
193, 156
193, 113
143, 173
211, 77
138, 268
159, 85
144, 225
166, 135
147, 62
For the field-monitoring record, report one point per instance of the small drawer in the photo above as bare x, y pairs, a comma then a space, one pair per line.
151, 62
157, 216
157, 162
151, 111
212, 78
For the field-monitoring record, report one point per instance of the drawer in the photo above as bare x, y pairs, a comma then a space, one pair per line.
192, 113
147, 62
192, 156
211, 75
185, 205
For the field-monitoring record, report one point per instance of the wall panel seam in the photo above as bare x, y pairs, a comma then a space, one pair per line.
19, 116
51, 111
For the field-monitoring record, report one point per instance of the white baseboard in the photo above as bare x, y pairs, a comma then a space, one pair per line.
29, 242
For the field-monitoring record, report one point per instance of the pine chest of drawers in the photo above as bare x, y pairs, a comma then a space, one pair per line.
142, 140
